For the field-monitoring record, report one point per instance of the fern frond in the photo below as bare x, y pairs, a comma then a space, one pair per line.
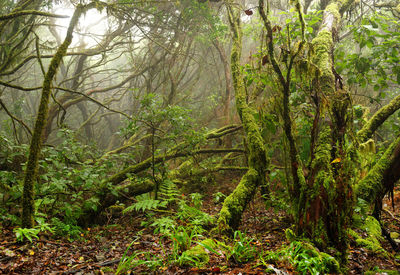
143, 205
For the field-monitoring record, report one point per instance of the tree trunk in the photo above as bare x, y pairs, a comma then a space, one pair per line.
326, 201
234, 205
36, 141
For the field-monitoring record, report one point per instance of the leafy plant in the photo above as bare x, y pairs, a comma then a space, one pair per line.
182, 238
26, 233
64, 229
305, 258
132, 261
196, 200
242, 250
193, 215
163, 225
219, 197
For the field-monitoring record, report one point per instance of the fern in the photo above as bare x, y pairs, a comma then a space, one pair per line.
144, 203
163, 225
169, 191
194, 215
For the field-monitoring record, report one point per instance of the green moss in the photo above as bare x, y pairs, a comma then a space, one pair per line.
373, 228
371, 185
36, 141
235, 203
331, 263
353, 234
378, 118
322, 45
394, 235
371, 244
195, 256
333, 8
372, 241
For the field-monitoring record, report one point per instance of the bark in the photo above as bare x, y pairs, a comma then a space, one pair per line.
36, 141
226, 98
284, 81
15, 14
234, 205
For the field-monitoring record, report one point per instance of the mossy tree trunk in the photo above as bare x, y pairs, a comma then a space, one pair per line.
326, 207
41, 119
234, 205
322, 201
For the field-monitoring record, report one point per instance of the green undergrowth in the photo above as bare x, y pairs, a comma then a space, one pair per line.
183, 230
303, 257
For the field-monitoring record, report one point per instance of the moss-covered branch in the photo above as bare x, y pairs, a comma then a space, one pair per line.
378, 119
296, 166
146, 164
375, 183
30, 12
228, 129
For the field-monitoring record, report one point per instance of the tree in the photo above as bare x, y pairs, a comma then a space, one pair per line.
322, 192
28, 203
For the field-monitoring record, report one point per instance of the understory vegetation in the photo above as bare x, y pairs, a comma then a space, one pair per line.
199, 136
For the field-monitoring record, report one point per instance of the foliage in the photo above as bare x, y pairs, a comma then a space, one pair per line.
163, 225
168, 194
183, 238
68, 230
304, 258
219, 197
242, 249
132, 261
144, 203
26, 233
31, 233
376, 62
193, 215
196, 200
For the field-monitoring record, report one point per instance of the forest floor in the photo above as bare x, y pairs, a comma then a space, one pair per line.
100, 248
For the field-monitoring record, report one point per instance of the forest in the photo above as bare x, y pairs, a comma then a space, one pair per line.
199, 136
